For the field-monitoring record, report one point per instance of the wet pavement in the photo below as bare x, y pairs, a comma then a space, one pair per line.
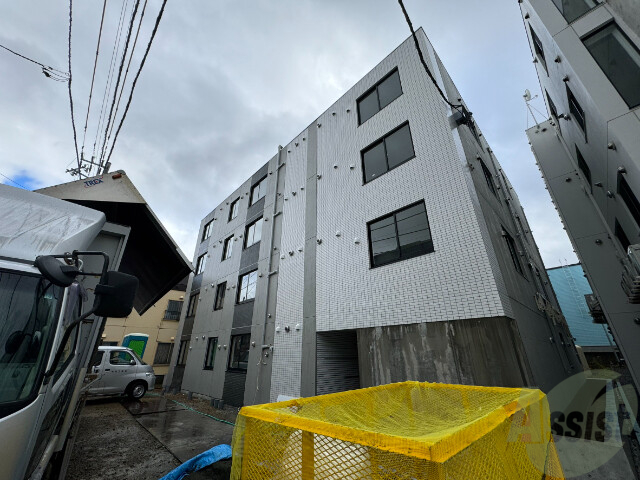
183, 432
146, 439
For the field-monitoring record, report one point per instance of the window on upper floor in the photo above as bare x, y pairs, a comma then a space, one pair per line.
220, 291
201, 263
513, 251
577, 113
192, 307
210, 355
239, 354
584, 168
259, 190
572, 9
391, 151
619, 59
400, 235
247, 286
206, 231
537, 46
174, 307
379, 96
227, 248
628, 197
489, 178
621, 236
233, 209
253, 233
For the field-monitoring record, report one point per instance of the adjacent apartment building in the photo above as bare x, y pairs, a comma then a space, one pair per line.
587, 57
383, 243
574, 292
152, 334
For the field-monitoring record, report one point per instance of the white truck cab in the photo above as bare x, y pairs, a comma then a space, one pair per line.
120, 371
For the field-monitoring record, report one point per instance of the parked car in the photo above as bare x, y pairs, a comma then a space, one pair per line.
120, 371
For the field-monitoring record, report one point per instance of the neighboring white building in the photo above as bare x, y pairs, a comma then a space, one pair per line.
383, 243
587, 57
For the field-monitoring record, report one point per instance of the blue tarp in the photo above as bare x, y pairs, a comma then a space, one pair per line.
213, 455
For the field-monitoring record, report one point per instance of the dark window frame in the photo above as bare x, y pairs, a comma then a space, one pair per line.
206, 231
513, 251
239, 287
158, 361
488, 176
629, 198
246, 232
379, 141
192, 306
375, 88
561, 10
372, 265
237, 340
218, 303
233, 208
621, 235
183, 352
538, 48
584, 167
173, 313
252, 200
626, 37
212, 346
201, 264
577, 112
227, 242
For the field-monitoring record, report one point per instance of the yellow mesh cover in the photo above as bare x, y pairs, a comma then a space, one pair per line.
409, 430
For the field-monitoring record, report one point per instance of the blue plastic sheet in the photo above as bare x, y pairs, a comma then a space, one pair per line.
213, 455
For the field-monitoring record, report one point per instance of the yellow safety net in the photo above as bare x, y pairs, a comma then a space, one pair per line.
409, 430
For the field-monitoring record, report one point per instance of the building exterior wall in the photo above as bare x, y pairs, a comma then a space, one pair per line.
315, 276
590, 209
571, 285
152, 323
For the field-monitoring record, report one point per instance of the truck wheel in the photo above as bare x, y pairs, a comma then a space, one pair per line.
137, 390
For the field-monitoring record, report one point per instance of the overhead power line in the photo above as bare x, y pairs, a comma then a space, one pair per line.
48, 71
135, 80
73, 122
13, 181
460, 108
115, 90
112, 62
93, 78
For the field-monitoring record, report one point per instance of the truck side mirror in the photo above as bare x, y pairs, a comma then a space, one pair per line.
55, 271
114, 296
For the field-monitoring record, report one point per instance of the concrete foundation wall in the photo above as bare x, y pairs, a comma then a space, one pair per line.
485, 351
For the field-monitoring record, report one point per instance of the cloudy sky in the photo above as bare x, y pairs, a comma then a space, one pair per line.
227, 81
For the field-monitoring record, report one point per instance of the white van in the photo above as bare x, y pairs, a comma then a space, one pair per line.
120, 371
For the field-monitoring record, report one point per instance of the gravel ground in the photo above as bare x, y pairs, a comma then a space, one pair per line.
112, 445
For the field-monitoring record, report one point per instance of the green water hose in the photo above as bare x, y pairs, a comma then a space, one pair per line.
193, 409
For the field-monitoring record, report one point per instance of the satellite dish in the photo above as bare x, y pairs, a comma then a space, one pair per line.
527, 95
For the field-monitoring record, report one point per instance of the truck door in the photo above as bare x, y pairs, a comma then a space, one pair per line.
119, 371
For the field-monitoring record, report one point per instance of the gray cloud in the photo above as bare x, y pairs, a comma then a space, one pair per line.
228, 81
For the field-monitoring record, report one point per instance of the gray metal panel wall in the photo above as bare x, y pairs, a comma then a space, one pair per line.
337, 362
233, 393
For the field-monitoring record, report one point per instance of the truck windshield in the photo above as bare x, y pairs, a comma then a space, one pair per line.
29, 308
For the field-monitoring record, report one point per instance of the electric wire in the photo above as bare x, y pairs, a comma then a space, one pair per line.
73, 122
126, 73
47, 70
109, 77
193, 409
93, 78
13, 181
115, 90
135, 80
459, 108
